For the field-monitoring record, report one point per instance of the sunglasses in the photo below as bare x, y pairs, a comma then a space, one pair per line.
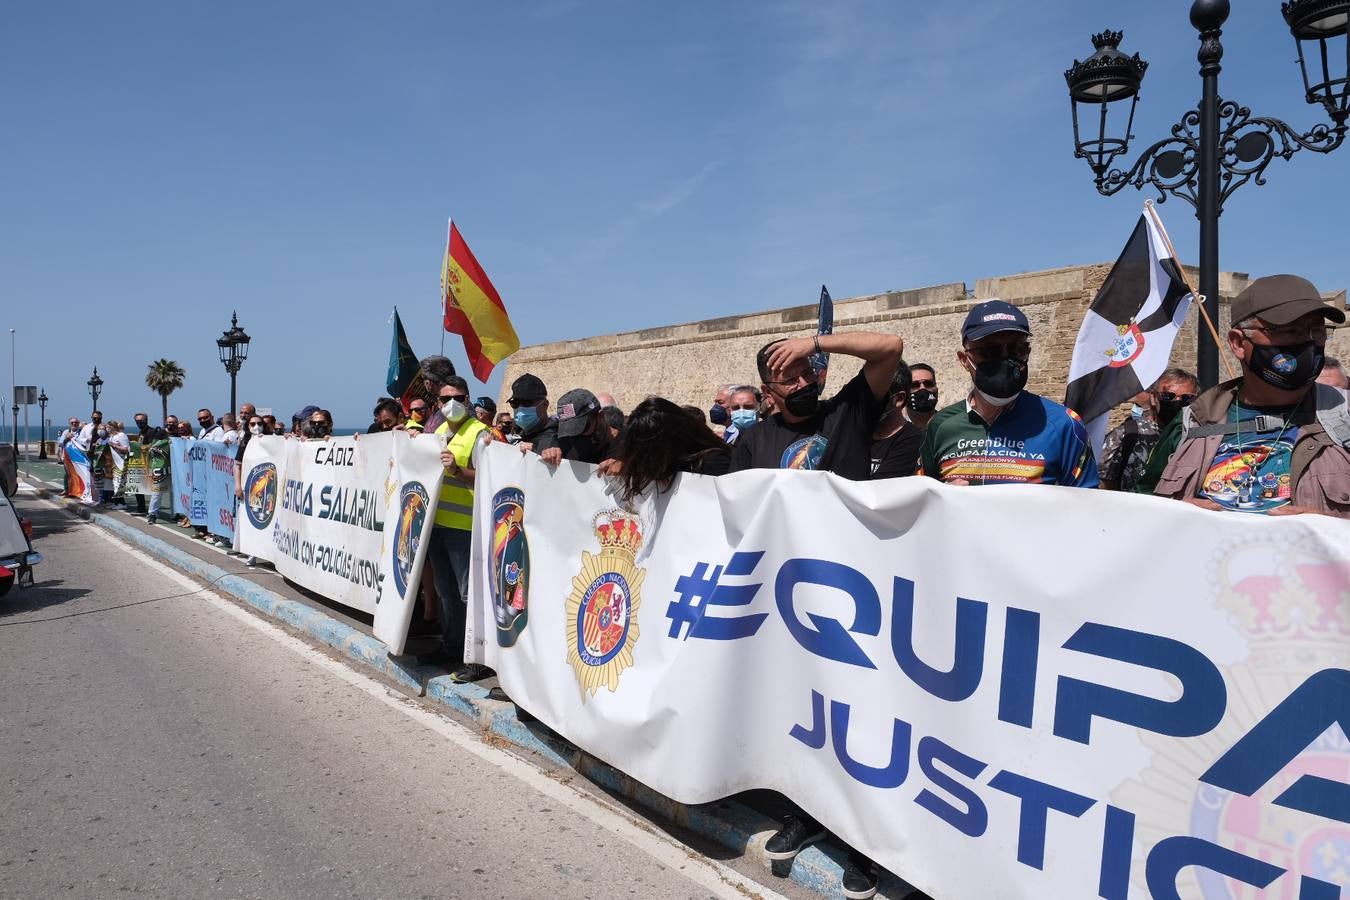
203, 419
446, 398
1013, 350
1169, 397
917, 383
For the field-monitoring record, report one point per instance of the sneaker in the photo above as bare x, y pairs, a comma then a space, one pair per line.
151, 520
860, 877
470, 672
797, 833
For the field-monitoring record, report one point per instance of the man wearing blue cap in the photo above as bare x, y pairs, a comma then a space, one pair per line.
1002, 433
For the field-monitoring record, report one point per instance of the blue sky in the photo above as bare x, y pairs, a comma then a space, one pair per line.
613, 165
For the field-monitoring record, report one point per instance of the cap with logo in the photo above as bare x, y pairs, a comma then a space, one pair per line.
304, 413
574, 411
991, 317
528, 389
1280, 299
487, 403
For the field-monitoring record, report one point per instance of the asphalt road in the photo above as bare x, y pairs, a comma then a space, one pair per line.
154, 742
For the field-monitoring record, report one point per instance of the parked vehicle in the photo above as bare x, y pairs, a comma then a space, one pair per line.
17, 556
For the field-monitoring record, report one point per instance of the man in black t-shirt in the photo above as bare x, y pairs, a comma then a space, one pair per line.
896, 441
833, 436
805, 432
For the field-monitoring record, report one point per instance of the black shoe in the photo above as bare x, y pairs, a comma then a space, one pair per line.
150, 520
439, 658
470, 672
860, 877
797, 833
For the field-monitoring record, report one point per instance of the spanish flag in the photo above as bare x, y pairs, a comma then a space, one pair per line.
473, 310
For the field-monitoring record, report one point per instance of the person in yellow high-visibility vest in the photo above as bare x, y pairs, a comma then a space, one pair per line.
449, 549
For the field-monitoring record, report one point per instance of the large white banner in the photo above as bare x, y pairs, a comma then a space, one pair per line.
1016, 691
345, 517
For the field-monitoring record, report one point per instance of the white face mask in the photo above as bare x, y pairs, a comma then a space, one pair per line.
455, 411
255, 429
995, 401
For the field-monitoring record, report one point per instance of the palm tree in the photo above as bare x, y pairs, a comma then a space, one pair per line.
165, 377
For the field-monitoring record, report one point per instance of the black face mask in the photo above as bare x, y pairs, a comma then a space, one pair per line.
1289, 366
923, 400
804, 401
718, 414
143, 426
1002, 378
316, 429
1168, 410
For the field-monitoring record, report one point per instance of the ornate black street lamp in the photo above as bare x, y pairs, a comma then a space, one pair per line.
42, 418
95, 387
233, 346
1201, 162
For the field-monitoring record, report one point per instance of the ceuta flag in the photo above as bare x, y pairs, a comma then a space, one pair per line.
473, 309
1126, 337
404, 378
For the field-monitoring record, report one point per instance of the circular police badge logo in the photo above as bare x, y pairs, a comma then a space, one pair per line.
603, 617
413, 502
602, 627
260, 495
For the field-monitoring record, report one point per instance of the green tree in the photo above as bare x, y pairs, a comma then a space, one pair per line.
165, 377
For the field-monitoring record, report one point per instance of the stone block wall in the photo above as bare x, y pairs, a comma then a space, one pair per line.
686, 363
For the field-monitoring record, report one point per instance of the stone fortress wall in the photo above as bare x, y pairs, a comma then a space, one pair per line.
685, 363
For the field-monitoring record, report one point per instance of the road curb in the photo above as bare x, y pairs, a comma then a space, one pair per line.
728, 823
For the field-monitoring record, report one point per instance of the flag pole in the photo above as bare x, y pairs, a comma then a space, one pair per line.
445, 287
1181, 270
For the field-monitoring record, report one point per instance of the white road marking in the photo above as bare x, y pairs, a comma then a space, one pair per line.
720, 880
27, 490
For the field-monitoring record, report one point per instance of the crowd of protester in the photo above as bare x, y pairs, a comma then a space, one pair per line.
1272, 440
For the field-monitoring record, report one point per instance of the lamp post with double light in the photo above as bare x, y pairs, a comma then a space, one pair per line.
1218, 146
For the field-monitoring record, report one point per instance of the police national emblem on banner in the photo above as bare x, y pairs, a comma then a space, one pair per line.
413, 502
1292, 623
602, 610
260, 495
509, 577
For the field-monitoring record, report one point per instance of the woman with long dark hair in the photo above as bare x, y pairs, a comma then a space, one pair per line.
661, 440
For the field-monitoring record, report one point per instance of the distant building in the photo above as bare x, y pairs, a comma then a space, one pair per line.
685, 362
